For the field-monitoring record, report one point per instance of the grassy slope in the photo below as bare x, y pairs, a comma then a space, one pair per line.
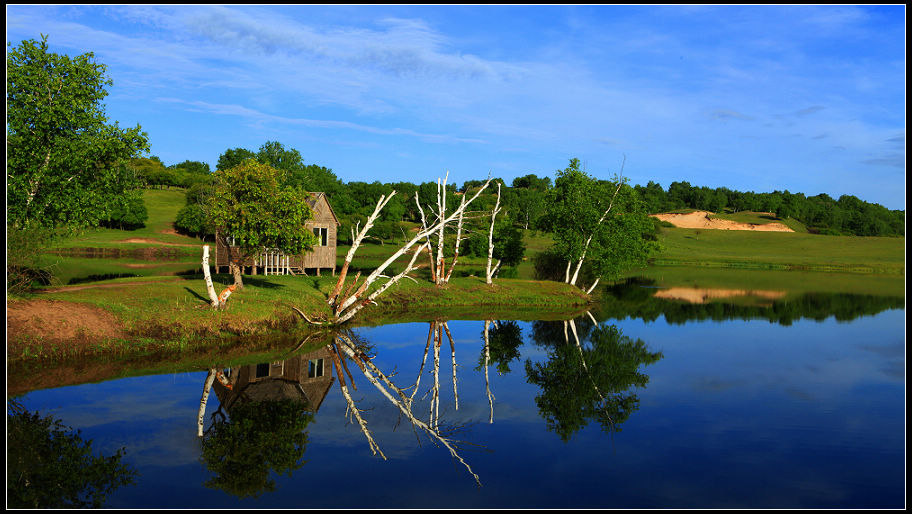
780, 249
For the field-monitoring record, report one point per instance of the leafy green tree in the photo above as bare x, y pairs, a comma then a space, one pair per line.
48, 466
509, 247
63, 158
525, 201
195, 167
600, 222
233, 157
257, 439
591, 382
251, 211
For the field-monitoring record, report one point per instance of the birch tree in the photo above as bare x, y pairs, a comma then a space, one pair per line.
347, 300
600, 223
65, 164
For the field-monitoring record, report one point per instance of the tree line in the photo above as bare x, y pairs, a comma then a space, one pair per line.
822, 214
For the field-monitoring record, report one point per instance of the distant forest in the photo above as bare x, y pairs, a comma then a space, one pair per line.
523, 198
821, 214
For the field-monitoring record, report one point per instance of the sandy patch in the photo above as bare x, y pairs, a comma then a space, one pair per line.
697, 295
143, 240
702, 219
56, 321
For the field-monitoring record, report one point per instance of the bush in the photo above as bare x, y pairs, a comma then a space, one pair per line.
191, 221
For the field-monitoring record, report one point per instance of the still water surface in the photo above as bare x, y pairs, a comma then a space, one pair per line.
643, 412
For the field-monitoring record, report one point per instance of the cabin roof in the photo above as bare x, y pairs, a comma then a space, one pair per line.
315, 199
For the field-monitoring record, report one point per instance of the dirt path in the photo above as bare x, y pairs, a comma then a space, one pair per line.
58, 322
703, 219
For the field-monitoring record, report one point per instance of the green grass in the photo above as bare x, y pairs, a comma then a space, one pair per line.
781, 251
162, 206
793, 282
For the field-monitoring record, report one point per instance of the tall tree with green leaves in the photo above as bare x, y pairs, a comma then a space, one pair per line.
250, 210
64, 160
597, 222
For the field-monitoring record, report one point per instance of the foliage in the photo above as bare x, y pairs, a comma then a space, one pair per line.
508, 244
258, 438
127, 214
504, 340
233, 157
50, 467
194, 167
192, 218
63, 158
23, 257
575, 212
591, 383
250, 206
822, 214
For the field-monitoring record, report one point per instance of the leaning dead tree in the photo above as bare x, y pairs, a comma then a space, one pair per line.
347, 299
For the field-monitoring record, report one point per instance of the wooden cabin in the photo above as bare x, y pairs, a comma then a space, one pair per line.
325, 226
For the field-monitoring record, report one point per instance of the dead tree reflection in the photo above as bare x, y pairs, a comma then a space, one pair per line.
308, 377
403, 402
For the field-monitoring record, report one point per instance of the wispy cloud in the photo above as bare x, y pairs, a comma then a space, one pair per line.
261, 117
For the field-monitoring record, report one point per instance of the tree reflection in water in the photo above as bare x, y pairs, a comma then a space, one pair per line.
50, 466
588, 375
265, 408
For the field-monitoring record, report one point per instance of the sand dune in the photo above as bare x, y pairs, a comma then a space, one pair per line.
701, 219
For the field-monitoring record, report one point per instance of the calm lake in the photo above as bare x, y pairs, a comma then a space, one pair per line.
645, 403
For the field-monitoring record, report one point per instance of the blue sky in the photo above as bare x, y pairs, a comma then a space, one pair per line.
755, 98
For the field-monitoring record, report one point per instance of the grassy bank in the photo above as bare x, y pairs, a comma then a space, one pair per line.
149, 312
163, 299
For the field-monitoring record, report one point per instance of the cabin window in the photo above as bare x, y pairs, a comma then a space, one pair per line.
315, 368
262, 370
322, 234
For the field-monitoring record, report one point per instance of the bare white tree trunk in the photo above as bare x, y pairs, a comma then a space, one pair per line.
353, 411
356, 242
489, 275
453, 353
456, 247
210, 378
487, 354
347, 308
210, 289
423, 360
441, 214
593, 285
435, 389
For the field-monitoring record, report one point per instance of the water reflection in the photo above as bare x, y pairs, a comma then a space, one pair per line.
48, 465
589, 376
639, 298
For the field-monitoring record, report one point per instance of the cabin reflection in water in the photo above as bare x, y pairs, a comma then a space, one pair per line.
303, 378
